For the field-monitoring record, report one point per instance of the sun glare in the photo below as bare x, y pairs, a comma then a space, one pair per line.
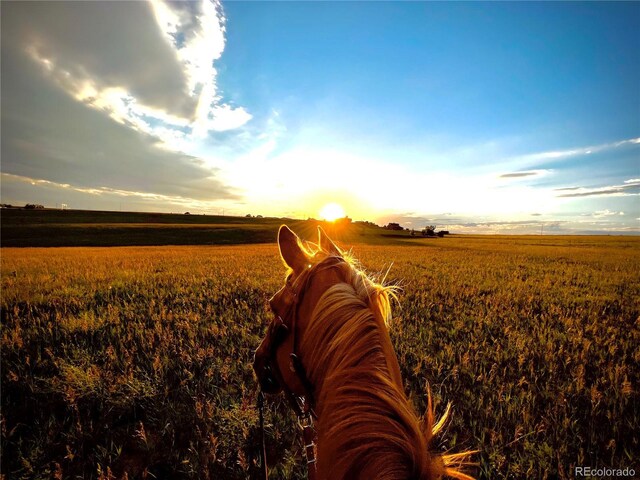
332, 212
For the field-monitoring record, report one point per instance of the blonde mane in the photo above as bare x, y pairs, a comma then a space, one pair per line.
368, 427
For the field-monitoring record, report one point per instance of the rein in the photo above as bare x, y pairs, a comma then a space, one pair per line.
302, 405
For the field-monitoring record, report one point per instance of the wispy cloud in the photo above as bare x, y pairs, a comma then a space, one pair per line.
129, 195
513, 227
553, 227
628, 188
529, 173
606, 213
573, 152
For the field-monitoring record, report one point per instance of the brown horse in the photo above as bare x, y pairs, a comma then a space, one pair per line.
334, 320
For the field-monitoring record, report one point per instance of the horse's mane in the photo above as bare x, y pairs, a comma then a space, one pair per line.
369, 429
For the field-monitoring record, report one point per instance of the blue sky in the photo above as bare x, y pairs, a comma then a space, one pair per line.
482, 117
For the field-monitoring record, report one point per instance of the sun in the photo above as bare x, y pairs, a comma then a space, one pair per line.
331, 212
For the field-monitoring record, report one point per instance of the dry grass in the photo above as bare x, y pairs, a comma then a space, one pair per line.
137, 359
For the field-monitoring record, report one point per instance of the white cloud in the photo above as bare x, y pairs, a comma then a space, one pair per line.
96, 95
151, 198
526, 173
606, 213
555, 154
194, 33
628, 188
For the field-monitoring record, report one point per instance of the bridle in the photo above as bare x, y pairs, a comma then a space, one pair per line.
278, 331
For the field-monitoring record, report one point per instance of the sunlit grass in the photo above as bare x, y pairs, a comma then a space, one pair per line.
139, 359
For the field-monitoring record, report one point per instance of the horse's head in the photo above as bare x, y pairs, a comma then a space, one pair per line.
292, 306
338, 317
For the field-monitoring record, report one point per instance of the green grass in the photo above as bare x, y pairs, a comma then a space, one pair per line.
57, 228
83, 228
138, 359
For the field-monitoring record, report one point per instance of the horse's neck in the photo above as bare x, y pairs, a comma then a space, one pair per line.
360, 423
362, 409
389, 352
388, 366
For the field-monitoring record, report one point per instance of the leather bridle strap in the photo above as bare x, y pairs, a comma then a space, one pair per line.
302, 405
308, 438
263, 450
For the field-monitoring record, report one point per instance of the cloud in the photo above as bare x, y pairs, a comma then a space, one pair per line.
564, 189
165, 86
554, 227
517, 227
18, 190
175, 200
530, 173
606, 213
518, 174
594, 192
107, 44
558, 154
630, 187
94, 95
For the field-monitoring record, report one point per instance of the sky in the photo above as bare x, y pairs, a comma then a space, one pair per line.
474, 117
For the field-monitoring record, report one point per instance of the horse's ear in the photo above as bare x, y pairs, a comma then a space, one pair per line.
326, 244
291, 250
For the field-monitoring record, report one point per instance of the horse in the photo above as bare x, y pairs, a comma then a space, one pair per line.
329, 345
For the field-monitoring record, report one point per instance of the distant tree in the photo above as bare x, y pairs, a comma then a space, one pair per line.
429, 231
393, 226
343, 221
187, 213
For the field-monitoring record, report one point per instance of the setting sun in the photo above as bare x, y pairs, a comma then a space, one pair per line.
331, 212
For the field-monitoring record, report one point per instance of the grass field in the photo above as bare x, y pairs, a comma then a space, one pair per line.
137, 360
84, 228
